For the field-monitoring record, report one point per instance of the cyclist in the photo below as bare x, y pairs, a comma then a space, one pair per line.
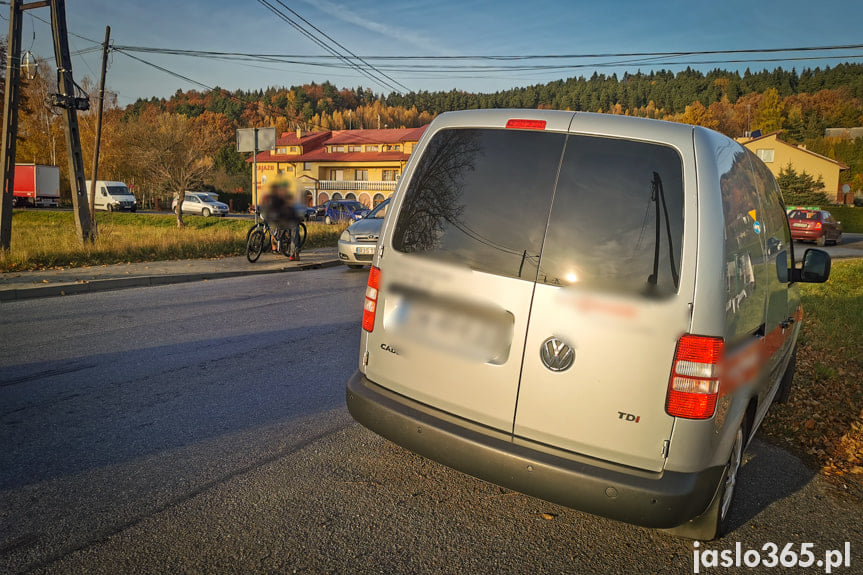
280, 209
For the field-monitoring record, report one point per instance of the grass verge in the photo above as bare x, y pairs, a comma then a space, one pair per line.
823, 420
42, 240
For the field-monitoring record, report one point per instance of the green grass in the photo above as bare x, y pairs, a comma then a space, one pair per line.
823, 421
43, 239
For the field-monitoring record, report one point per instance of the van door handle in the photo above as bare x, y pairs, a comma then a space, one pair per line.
787, 323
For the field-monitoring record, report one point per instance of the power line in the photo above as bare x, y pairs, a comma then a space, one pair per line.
378, 80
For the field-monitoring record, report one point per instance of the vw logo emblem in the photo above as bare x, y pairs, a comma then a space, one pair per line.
556, 355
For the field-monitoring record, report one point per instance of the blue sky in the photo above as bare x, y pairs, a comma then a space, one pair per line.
432, 28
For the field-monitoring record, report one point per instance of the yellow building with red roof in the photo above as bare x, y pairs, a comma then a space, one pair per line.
362, 165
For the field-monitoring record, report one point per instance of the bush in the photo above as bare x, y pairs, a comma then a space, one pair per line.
851, 217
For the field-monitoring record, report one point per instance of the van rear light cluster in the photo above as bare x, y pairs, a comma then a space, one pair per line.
370, 306
694, 385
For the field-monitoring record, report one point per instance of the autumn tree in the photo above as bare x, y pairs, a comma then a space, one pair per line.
771, 112
176, 152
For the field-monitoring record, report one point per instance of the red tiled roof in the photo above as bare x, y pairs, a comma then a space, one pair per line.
314, 142
310, 139
386, 136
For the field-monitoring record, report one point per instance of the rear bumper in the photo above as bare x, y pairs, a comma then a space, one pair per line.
806, 235
656, 500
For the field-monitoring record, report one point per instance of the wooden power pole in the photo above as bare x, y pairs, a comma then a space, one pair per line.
10, 125
67, 100
99, 126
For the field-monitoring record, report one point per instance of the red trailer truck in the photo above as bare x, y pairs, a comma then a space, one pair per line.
36, 185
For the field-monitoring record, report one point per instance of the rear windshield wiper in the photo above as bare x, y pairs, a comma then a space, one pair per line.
657, 196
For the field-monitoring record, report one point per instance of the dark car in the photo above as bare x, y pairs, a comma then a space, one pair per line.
814, 226
337, 210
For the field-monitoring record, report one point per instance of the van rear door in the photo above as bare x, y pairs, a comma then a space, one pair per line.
458, 272
609, 303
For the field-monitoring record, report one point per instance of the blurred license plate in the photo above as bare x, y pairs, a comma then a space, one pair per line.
797, 225
366, 250
474, 333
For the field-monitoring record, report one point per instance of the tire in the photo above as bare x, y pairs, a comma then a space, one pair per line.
303, 233
838, 240
355, 266
713, 523
110, 208
328, 220
787, 378
821, 241
255, 244
205, 212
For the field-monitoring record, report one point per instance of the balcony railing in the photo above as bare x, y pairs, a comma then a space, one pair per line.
356, 186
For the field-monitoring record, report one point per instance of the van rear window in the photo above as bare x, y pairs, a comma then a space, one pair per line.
617, 219
480, 198
605, 213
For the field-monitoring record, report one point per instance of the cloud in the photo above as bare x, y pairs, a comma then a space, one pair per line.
405, 36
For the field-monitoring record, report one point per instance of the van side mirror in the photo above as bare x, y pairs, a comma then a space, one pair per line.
815, 269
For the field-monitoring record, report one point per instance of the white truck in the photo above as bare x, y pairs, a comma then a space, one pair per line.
36, 185
113, 196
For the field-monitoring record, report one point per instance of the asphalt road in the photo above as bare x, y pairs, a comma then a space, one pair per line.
202, 428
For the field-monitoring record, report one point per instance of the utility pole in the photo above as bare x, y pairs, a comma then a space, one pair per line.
67, 100
10, 126
99, 127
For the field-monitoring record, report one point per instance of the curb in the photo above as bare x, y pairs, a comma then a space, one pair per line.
18, 294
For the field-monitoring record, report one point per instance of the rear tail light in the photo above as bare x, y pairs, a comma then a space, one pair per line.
817, 225
526, 124
694, 384
371, 304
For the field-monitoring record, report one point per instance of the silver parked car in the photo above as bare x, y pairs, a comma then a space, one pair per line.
201, 204
357, 243
595, 310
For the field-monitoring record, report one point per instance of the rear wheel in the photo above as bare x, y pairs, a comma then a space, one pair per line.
255, 244
205, 212
713, 523
303, 233
821, 241
328, 220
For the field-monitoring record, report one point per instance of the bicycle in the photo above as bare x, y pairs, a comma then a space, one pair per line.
262, 237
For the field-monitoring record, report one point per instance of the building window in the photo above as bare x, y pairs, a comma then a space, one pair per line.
390, 175
293, 149
378, 199
307, 166
351, 196
283, 150
392, 147
355, 148
765, 154
337, 149
337, 196
361, 175
372, 148
337, 174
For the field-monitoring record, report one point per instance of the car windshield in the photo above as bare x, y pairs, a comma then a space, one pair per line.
118, 190
803, 215
379, 212
353, 206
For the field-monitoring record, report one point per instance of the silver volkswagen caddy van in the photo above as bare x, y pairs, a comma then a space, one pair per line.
595, 310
